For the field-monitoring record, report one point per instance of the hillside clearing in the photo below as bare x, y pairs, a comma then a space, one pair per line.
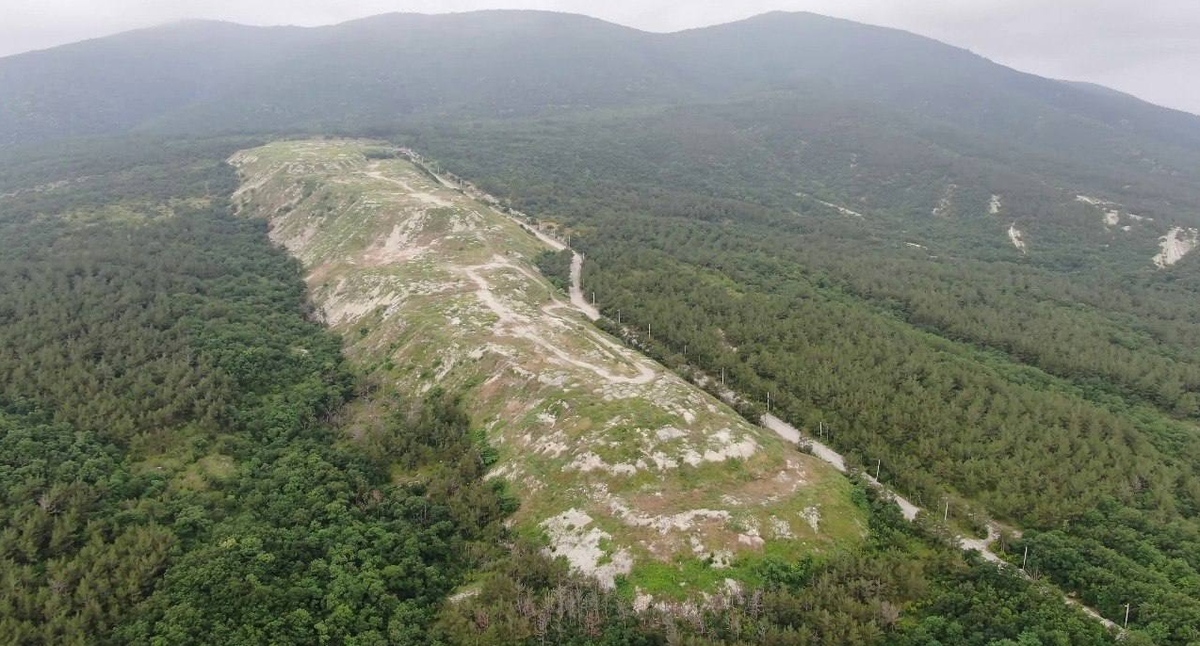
618, 462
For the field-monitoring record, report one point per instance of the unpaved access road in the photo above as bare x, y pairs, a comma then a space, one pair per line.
577, 298
981, 545
768, 421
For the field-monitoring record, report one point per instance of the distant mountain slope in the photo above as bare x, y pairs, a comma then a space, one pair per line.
980, 281
913, 73
113, 85
201, 76
204, 77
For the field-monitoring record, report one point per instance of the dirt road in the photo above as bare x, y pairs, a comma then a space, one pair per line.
981, 545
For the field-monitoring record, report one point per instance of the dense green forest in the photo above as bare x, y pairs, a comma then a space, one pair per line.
167, 466
1054, 391
172, 470
823, 211
907, 586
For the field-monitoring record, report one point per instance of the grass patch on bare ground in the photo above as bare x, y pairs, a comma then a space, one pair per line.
431, 288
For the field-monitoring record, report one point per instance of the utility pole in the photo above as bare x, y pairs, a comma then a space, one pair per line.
618, 317
722, 377
946, 513
878, 466
649, 336
593, 299
1126, 616
768, 401
1025, 559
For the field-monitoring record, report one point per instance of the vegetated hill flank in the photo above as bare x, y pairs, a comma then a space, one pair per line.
628, 470
873, 120
216, 76
202, 76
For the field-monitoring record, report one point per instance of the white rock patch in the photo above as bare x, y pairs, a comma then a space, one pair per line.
1017, 238
668, 433
571, 538
837, 207
1178, 243
727, 448
781, 527
1094, 201
751, 540
994, 205
591, 462
812, 516
681, 522
663, 461
945, 203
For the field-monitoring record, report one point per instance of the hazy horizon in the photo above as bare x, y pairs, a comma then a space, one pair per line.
1143, 50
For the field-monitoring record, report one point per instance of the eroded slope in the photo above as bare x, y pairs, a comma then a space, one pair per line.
626, 468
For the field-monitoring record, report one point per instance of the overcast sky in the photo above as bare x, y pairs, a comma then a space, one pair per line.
1150, 48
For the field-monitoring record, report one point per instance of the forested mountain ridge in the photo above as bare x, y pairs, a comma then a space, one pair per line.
175, 469
523, 62
168, 472
872, 120
977, 280
1051, 388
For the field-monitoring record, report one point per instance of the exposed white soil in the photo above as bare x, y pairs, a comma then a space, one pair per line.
462, 596
681, 522
836, 207
513, 323
723, 447
47, 187
1111, 212
1094, 201
436, 277
945, 205
572, 538
1178, 243
427, 198
576, 290
995, 205
983, 545
1017, 238
668, 433
458, 303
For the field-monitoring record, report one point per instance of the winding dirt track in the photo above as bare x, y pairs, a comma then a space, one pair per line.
577, 298
513, 323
